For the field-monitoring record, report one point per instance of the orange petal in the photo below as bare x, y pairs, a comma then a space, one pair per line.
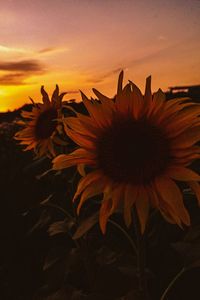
129, 200
97, 111
91, 191
86, 181
142, 207
182, 174
104, 99
170, 193
182, 119
157, 102
105, 212
153, 197
81, 140
124, 100
195, 186
76, 125
187, 138
120, 82
137, 100
168, 213
79, 156
45, 97
148, 94
81, 169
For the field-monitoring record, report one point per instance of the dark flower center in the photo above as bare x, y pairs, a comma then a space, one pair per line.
46, 124
132, 151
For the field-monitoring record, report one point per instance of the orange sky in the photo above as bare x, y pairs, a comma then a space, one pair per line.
81, 44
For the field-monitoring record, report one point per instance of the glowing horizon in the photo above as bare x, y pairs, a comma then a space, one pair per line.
85, 44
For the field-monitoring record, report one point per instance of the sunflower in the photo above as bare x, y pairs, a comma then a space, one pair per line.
137, 148
41, 128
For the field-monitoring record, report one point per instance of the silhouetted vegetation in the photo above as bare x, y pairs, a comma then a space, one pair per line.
41, 254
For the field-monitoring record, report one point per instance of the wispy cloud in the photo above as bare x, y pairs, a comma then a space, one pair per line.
103, 76
31, 52
47, 50
51, 50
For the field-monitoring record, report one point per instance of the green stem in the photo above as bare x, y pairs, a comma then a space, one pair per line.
125, 234
172, 283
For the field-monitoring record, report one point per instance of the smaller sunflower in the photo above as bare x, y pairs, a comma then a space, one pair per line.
42, 125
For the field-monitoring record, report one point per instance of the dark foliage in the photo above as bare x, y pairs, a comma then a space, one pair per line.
47, 253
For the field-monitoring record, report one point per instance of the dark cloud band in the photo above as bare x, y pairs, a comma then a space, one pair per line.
24, 65
16, 72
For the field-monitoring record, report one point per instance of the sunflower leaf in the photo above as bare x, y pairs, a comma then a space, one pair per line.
189, 248
85, 226
60, 227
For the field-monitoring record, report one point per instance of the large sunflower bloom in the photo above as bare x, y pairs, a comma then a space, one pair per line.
137, 147
41, 127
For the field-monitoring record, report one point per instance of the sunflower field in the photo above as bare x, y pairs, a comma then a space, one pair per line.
100, 199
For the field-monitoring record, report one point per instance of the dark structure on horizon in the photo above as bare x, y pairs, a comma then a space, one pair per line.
191, 91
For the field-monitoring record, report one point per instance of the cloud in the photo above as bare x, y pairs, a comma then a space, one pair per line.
97, 79
31, 52
73, 92
47, 50
13, 79
6, 49
23, 65
16, 72
50, 50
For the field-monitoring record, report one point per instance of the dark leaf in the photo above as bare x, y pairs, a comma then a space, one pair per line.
43, 221
189, 248
85, 226
60, 227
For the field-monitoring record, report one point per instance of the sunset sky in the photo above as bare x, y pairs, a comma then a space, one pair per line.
80, 44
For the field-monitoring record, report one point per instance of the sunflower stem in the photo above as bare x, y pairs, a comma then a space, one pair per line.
60, 209
125, 234
172, 283
140, 239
